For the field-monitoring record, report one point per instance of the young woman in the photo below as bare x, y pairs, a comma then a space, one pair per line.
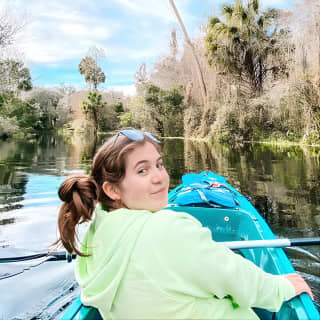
140, 261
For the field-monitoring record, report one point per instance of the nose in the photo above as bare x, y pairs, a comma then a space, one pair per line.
156, 176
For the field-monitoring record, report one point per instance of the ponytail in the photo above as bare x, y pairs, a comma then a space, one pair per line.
79, 192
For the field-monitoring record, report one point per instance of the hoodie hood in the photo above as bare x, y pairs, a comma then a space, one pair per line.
109, 242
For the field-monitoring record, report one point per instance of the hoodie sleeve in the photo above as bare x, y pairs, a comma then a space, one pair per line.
202, 263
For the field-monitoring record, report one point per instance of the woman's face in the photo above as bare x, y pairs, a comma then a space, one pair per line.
146, 182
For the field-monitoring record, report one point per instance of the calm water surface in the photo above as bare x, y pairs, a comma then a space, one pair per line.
283, 184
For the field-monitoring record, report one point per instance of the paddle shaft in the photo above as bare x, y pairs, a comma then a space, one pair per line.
246, 244
52, 256
272, 243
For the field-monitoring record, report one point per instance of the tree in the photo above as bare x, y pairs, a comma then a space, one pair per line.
246, 45
8, 30
203, 88
66, 89
93, 105
167, 71
187, 39
166, 108
14, 76
97, 54
93, 74
48, 102
141, 78
173, 44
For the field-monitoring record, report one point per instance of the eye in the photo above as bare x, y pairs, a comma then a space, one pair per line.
142, 171
159, 165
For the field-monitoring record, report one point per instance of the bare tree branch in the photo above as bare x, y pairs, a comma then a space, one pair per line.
8, 29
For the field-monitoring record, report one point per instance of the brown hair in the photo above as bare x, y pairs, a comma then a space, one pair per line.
80, 192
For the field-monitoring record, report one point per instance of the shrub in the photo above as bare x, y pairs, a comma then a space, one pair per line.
126, 119
8, 127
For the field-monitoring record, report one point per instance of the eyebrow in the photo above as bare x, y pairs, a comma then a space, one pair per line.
145, 161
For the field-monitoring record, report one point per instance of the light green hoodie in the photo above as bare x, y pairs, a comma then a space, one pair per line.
164, 265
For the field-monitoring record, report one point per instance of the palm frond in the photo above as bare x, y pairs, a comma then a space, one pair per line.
233, 30
255, 5
227, 10
260, 22
213, 21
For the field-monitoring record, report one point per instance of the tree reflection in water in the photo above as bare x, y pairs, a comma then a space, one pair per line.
283, 183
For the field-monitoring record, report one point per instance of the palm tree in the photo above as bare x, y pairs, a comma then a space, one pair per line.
92, 105
93, 74
246, 45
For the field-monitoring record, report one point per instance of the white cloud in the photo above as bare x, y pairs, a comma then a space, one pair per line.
155, 8
129, 90
117, 54
57, 32
83, 30
145, 8
62, 15
60, 31
275, 3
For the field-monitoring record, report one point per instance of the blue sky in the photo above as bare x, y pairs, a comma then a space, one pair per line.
60, 32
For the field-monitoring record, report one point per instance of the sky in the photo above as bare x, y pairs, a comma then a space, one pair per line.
59, 33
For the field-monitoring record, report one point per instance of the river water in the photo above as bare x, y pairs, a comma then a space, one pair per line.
283, 184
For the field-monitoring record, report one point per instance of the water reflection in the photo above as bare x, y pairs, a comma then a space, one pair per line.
282, 182
82, 148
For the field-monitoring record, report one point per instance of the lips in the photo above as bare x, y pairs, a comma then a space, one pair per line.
159, 191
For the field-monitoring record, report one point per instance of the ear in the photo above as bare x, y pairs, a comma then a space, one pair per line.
111, 190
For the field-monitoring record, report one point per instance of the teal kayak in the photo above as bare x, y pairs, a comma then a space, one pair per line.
231, 217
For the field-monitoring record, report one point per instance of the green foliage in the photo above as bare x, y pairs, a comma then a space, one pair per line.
118, 107
166, 109
241, 121
8, 127
247, 45
293, 116
94, 102
108, 117
192, 119
15, 113
26, 113
141, 113
42, 111
92, 106
14, 76
298, 114
126, 119
49, 108
93, 74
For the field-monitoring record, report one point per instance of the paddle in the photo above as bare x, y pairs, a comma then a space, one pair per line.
52, 256
245, 244
40, 257
272, 243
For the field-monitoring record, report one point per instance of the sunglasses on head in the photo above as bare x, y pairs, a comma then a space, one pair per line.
137, 135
